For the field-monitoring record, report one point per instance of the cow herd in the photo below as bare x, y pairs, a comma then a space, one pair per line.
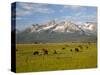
45, 51
70, 48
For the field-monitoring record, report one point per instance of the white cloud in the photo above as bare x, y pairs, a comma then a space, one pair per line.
80, 13
21, 12
78, 18
75, 7
29, 8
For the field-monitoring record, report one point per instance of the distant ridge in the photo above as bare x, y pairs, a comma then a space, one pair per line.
63, 31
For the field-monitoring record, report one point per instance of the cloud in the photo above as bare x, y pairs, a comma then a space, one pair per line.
71, 7
75, 7
78, 18
21, 12
30, 8
79, 13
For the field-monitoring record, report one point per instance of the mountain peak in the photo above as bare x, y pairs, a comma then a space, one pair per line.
63, 26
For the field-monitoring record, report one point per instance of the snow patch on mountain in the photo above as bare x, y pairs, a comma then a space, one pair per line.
64, 26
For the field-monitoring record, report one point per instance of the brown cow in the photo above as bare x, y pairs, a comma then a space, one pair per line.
45, 51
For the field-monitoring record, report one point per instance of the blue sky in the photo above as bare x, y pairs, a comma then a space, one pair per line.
33, 13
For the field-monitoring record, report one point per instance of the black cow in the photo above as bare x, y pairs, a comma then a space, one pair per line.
55, 52
87, 47
71, 50
63, 48
35, 53
76, 49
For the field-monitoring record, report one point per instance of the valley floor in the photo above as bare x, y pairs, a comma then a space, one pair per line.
59, 56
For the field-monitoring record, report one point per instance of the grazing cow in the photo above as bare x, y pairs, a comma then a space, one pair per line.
87, 47
76, 49
63, 48
45, 51
55, 52
71, 50
35, 53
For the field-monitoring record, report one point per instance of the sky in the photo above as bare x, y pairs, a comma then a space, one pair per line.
39, 13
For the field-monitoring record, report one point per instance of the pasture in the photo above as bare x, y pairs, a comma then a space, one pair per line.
59, 56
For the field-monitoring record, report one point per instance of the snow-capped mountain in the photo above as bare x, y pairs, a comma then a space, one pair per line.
64, 26
89, 28
64, 31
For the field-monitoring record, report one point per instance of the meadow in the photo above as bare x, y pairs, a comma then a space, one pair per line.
59, 56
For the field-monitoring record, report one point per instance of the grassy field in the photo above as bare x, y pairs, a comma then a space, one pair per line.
65, 57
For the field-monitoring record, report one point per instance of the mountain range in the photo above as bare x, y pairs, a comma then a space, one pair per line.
63, 31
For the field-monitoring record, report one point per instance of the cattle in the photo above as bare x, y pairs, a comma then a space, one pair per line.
87, 47
35, 53
45, 51
55, 52
71, 50
35, 42
76, 50
63, 48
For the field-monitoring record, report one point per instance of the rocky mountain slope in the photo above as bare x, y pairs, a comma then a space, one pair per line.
63, 31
